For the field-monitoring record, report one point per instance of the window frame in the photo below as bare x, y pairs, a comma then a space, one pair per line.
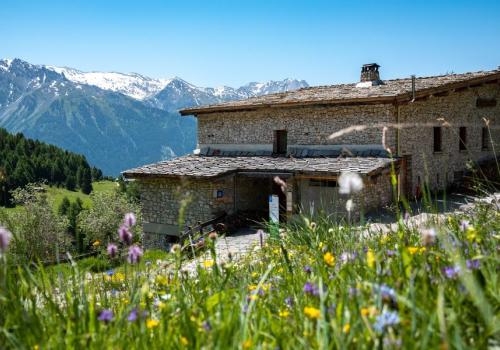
437, 130
485, 135
462, 138
278, 143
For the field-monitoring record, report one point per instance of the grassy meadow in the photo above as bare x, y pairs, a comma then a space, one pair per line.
320, 285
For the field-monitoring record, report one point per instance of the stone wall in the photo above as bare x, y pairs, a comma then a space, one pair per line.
163, 198
305, 125
458, 109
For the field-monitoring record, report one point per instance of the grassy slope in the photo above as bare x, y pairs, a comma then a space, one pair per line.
56, 194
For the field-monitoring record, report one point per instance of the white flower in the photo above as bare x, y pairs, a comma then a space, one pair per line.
428, 236
349, 205
350, 183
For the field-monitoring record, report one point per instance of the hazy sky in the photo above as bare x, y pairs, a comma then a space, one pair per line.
212, 43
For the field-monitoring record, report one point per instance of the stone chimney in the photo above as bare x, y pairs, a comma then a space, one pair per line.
369, 75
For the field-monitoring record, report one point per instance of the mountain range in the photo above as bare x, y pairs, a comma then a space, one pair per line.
116, 120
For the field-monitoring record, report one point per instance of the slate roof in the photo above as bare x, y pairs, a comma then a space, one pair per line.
205, 167
389, 91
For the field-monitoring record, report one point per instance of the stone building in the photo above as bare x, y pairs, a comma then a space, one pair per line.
422, 130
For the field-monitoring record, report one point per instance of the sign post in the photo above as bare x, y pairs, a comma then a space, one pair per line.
274, 215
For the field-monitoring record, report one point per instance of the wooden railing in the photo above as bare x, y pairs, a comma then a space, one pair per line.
194, 234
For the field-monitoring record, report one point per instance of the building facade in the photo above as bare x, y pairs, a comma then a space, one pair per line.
420, 130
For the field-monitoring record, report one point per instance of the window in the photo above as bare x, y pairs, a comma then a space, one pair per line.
462, 145
280, 143
485, 136
322, 183
437, 139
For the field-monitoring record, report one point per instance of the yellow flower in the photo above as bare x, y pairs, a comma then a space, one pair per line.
284, 313
161, 280
36, 347
247, 344
472, 234
150, 323
347, 328
412, 250
329, 259
254, 274
161, 305
312, 312
321, 245
252, 287
96, 243
253, 297
370, 259
118, 277
369, 311
208, 263
184, 341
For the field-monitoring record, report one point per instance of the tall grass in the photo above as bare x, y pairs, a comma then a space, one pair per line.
319, 286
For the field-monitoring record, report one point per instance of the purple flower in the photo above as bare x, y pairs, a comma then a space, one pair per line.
472, 264
386, 319
5, 237
451, 272
129, 220
112, 250
134, 254
390, 252
124, 234
307, 269
289, 301
464, 225
311, 289
110, 272
106, 315
206, 326
132, 316
386, 292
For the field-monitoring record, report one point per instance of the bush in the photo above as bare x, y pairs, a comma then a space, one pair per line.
94, 264
101, 222
38, 233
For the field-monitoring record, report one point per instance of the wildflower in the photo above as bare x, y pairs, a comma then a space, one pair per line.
161, 280
175, 248
329, 259
370, 259
5, 237
184, 341
124, 234
312, 312
152, 323
247, 344
350, 183
451, 272
346, 328
311, 289
134, 254
129, 220
428, 236
96, 243
106, 315
390, 252
284, 313
385, 320
472, 234
368, 311
110, 272
464, 225
132, 316
208, 263
212, 235
112, 250
386, 292
289, 301
206, 326
349, 205
307, 269
472, 264
412, 250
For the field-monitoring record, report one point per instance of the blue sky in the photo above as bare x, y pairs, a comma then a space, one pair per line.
211, 43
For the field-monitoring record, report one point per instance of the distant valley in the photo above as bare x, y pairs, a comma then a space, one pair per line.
116, 120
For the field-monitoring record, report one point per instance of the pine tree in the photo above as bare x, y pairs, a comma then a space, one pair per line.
86, 184
64, 206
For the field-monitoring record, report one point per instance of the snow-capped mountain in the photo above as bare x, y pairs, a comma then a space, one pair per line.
144, 88
131, 84
116, 120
